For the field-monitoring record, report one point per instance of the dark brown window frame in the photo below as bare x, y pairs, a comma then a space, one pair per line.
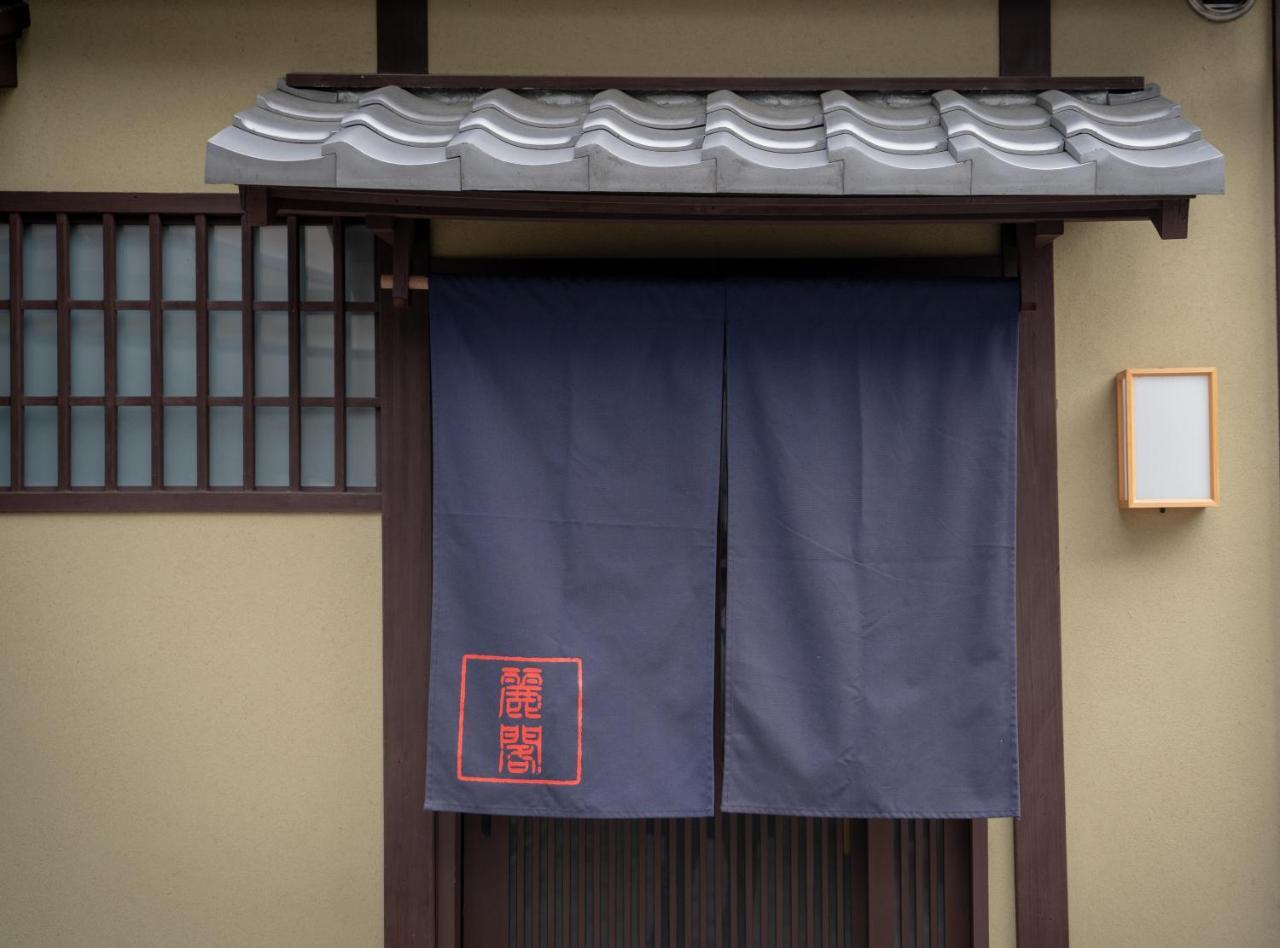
113, 210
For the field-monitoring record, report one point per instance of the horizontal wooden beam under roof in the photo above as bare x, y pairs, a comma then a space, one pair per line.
265, 203
700, 84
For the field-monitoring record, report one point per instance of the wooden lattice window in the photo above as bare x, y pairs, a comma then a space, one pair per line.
187, 353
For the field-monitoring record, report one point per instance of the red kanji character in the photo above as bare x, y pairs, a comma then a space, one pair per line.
521, 695
521, 751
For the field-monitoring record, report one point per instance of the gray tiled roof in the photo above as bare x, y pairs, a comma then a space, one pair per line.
835, 143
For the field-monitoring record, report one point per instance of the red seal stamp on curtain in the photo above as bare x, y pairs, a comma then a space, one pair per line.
520, 720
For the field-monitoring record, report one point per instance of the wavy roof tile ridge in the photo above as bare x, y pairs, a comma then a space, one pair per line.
836, 143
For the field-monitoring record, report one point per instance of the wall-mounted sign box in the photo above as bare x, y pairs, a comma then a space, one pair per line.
1167, 444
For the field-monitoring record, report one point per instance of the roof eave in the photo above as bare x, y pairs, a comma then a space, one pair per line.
266, 204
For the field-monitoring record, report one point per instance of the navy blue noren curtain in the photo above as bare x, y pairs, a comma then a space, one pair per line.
576, 428
870, 638
869, 665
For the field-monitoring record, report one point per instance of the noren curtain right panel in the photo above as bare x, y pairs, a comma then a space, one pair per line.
869, 656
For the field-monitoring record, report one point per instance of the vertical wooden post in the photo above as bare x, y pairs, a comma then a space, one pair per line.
1040, 838
1275, 151
402, 35
1024, 38
422, 849
416, 896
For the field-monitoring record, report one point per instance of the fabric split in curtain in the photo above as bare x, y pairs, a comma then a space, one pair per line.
870, 633
576, 442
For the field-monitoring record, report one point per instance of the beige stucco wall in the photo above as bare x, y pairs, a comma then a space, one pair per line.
191, 743
196, 740
1170, 621
121, 96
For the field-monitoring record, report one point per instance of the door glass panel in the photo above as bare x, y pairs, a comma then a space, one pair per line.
88, 352
133, 262
86, 261
133, 446
178, 261
40, 352
88, 446
39, 262
271, 446
226, 446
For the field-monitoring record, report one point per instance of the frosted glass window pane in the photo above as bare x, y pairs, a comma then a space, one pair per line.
4, 259
270, 263
88, 354
178, 261
6, 465
226, 356
271, 446
317, 355
226, 446
317, 447
86, 261
317, 259
133, 446
179, 347
133, 262
361, 352
359, 265
4, 351
1171, 437
39, 262
40, 352
133, 352
88, 446
271, 354
179, 446
224, 262
40, 446
362, 447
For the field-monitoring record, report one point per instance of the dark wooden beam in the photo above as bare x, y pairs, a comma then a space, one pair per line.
1024, 38
979, 907
120, 203
1022, 82
417, 862
1040, 835
401, 254
1046, 232
256, 206
185, 501
1172, 219
15, 17
601, 206
1275, 149
728, 267
402, 36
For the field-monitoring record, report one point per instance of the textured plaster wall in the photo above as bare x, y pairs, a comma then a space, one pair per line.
191, 751
1170, 621
714, 37
121, 96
